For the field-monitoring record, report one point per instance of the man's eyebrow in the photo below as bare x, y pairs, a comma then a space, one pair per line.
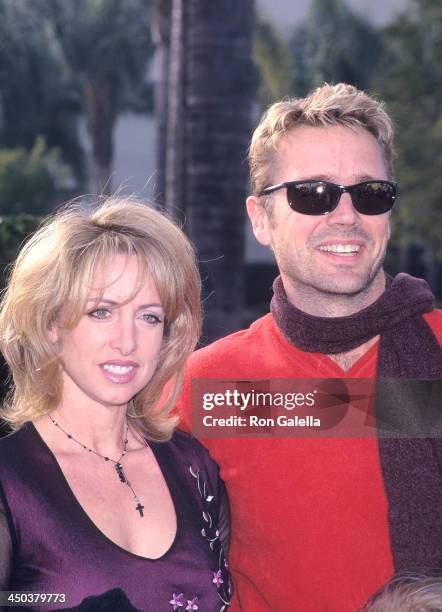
318, 177
367, 177
360, 178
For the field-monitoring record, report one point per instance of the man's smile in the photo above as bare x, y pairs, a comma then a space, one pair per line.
341, 249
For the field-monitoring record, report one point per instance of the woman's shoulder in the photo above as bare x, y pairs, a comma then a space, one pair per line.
186, 440
187, 450
13, 440
17, 448
186, 443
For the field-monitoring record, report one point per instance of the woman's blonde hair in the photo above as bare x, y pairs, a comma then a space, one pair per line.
54, 270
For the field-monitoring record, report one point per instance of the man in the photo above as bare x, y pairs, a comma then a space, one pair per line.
320, 523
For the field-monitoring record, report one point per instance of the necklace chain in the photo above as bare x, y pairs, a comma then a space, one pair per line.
118, 466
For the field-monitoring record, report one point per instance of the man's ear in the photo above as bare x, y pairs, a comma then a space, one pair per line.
260, 220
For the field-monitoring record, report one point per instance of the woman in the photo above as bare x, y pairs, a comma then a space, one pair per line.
99, 500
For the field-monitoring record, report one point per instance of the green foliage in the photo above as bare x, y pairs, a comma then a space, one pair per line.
35, 97
411, 83
14, 229
403, 65
274, 61
103, 44
32, 181
334, 44
59, 57
104, 47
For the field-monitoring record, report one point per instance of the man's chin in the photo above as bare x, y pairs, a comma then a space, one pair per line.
348, 284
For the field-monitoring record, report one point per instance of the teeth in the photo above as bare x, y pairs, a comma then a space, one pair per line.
116, 369
340, 248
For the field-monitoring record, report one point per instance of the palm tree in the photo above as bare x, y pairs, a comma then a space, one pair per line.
104, 46
35, 99
334, 43
211, 85
161, 39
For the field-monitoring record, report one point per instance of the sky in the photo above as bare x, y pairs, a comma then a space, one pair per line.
285, 14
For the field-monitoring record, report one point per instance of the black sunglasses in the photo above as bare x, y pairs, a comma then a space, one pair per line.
321, 197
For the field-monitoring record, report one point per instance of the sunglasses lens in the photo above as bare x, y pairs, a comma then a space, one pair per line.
313, 198
374, 198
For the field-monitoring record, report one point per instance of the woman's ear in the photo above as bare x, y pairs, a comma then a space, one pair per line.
53, 333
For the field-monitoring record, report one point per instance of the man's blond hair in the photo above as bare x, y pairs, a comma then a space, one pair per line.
327, 105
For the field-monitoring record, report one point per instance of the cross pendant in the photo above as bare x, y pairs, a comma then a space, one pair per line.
120, 472
140, 508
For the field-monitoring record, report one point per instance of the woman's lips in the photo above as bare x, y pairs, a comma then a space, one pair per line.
119, 373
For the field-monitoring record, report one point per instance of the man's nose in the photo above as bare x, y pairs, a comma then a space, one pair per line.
345, 213
124, 337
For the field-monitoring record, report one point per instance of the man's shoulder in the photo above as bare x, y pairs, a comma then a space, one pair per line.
434, 320
233, 350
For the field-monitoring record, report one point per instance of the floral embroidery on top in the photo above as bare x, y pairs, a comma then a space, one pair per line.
192, 604
177, 601
217, 578
220, 578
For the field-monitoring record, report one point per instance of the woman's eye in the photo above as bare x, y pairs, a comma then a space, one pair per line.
99, 313
152, 319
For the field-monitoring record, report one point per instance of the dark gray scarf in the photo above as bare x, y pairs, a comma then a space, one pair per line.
412, 466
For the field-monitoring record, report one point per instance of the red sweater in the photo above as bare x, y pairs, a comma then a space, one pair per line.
309, 516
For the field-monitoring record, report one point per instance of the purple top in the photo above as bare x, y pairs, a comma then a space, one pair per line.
48, 544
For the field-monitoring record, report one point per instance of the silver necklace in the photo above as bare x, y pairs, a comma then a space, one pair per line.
118, 466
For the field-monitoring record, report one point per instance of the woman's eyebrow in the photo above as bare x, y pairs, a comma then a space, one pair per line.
151, 305
98, 300
114, 303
